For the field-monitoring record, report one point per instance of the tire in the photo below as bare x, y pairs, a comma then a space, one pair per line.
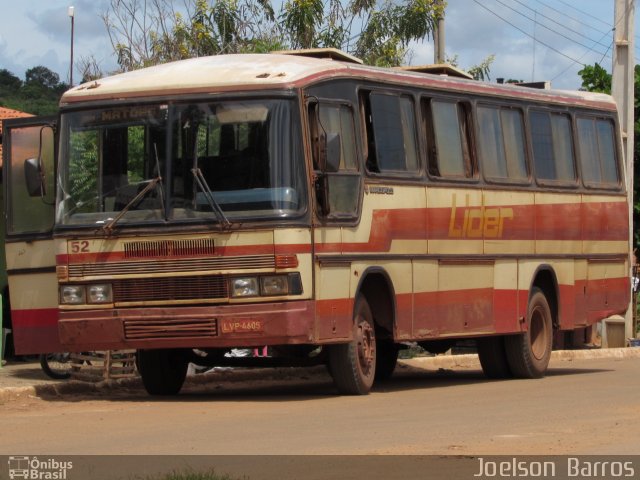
162, 371
56, 365
386, 359
528, 354
493, 357
353, 365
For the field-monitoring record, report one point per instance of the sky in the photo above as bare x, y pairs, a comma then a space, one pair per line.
567, 33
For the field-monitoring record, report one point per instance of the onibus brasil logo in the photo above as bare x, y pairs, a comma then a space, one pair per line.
36, 469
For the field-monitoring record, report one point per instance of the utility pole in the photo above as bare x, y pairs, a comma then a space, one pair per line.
71, 13
438, 40
622, 91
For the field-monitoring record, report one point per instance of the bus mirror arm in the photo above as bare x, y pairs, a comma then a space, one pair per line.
321, 184
34, 177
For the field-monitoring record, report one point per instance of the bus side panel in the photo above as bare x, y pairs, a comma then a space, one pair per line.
400, 274
425, 288
605, 231
565, 275
464, 302
558, 228
608, 289
579, 292
505, 296
509, 230
34, 296
334, 310
392, 223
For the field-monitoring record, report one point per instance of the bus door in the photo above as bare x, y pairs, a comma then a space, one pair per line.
29, 199
337, 190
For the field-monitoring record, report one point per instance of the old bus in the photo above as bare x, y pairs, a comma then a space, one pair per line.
333, 210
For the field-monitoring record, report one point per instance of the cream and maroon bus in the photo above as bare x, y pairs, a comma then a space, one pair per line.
333, 211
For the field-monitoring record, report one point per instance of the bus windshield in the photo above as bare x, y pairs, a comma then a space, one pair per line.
206, 161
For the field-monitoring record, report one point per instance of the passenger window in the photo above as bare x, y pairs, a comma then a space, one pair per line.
391, 132
502, 145
597, 152
553, 153
451, 156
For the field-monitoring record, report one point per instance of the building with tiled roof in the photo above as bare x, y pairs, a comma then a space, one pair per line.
6, 113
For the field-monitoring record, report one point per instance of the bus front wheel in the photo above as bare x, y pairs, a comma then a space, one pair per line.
528, 354
162, 371
353, 365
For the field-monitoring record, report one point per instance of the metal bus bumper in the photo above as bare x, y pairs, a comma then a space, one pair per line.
229, 326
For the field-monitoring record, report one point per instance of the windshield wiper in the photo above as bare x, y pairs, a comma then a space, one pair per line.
108, 228
208, 194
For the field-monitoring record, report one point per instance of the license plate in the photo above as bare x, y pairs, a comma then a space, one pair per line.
245, 325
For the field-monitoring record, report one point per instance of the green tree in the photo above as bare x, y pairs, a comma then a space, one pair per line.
39, 94
42, 77
597, 79
8, 81
149, 32
478, 72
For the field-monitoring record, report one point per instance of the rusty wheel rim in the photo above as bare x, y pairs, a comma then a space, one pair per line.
366, 347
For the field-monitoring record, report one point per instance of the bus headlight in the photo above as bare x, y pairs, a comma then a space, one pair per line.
73, 294
100, 293
274, 285
266, 285
244, 287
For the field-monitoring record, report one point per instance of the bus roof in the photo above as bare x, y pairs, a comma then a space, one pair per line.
241, 72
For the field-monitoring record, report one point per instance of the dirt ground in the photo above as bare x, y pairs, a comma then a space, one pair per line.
580, 407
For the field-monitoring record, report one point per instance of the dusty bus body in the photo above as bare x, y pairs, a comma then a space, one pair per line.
251, 200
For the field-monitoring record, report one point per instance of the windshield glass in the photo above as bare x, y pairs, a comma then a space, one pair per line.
216, 161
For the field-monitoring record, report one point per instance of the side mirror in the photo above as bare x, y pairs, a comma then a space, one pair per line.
332, 152
329, 153
34, 177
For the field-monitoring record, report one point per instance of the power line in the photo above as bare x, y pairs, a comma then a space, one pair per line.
580, 34
548, 28
580, 59
527, 34
572, 18
605, 34
584, 13
577, 20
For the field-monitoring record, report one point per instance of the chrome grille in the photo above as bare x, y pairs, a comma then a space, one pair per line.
181, 328
170, 288
172, 266
169, 248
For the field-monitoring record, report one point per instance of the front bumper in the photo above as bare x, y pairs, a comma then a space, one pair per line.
189, 327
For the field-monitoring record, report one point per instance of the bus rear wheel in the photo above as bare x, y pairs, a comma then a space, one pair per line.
353, 365
529, 353
493, 357
162, 371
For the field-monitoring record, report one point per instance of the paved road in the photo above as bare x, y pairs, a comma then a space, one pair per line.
581, 407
